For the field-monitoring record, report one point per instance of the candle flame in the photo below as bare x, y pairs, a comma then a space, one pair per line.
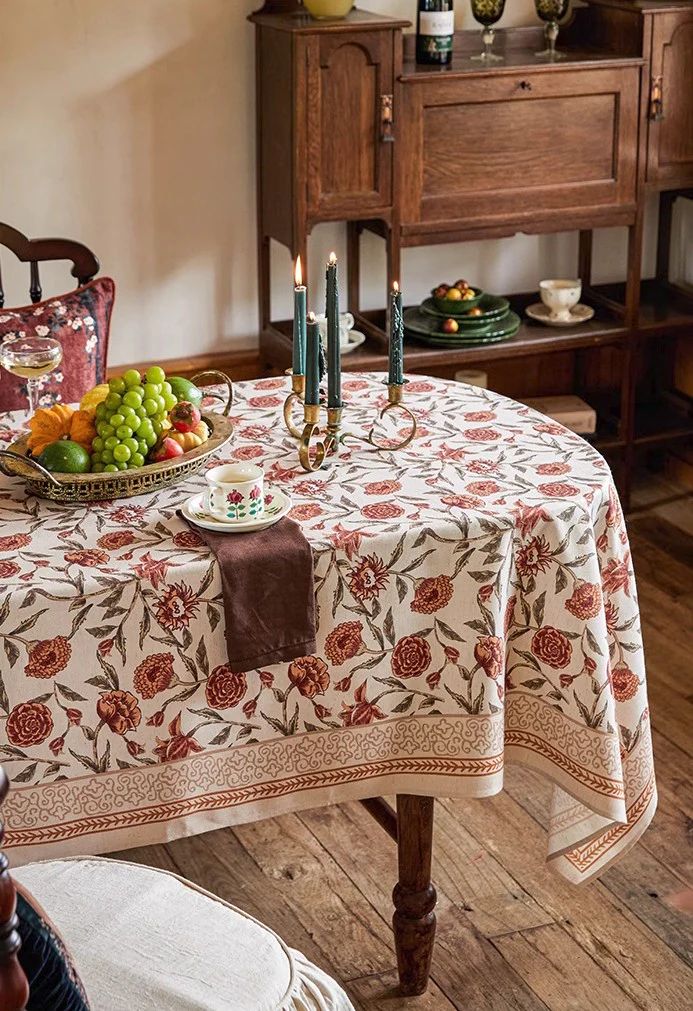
395, 286
298, 273
333, 258
311, 317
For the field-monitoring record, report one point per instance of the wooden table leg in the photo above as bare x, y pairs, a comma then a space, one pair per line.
414, 921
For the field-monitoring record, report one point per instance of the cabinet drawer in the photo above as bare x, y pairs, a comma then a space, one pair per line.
514, 145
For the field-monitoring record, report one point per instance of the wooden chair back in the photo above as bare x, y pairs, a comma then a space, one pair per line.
85, 265
14, 988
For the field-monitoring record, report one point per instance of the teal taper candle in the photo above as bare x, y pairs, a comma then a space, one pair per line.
299, 355
334, 351
396, 371
312, 361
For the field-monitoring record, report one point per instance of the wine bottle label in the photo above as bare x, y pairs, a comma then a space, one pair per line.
436, 29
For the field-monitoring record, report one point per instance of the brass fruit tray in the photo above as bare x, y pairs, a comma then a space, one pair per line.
14, 462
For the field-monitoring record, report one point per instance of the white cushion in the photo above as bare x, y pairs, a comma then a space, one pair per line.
146, 940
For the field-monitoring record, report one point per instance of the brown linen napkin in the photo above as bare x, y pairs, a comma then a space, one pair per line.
269, 594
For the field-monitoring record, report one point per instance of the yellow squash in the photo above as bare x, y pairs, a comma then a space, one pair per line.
191, 440
48, 425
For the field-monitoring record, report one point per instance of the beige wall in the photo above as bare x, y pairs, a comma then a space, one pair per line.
129, 124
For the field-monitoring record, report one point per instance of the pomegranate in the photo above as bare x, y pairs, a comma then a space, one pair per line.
185, 417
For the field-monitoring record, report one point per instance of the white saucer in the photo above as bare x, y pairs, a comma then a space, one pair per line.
275, 510
356, 339
580, 313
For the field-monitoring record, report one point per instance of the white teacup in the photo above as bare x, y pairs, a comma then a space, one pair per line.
235, 492
346, 323
560, 297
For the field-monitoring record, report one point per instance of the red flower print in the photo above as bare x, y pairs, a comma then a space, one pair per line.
553, 468
188, 539
432, 594
178, 745
14, 542
615, 576
225, 688
48, 657
527, 517
28, 724
624, 682
153, 675
267, 401
247, 452
105, 646
344, 685
411, 657
311, 489
116, 539
305, 511
509, 620
126, 514
344, 642
485, 593
552, 647
612, 616
482, 467
321, 711
420, 386
57, 745
559, 489
382, 511
489, 653
348, 540
586, 601
613, 512
368, 578
309, 674
451, 653
355, 385
176, 607
267, 678
234, 497
254, 493
433, 679
534, 557
479, 416
550, 428
249, 708
8, 569
255, 432
119, 711
462, 501
362, 711
152, 570
482, 434
269, 384
156, 719
134, 748
483, 487
89, 558
74, 716
382, 487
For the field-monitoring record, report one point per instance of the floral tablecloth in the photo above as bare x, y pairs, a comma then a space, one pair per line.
476, 604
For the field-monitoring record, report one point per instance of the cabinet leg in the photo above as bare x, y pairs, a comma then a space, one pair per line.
354, 267
263, 280
414, 896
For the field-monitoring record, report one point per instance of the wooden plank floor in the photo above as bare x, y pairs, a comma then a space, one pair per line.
512, 935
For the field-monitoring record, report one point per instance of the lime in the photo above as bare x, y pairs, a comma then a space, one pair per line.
183, 389
65, 457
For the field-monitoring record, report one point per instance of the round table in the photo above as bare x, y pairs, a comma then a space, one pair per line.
476, 606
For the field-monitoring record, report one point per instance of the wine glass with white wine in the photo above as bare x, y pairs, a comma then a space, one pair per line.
31, 358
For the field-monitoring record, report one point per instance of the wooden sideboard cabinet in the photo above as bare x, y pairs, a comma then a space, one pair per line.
520, 147
662, 32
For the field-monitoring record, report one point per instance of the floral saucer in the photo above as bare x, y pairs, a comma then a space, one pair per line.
277, 505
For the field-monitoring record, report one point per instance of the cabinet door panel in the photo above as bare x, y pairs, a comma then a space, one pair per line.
670, 147
349, 166
517, 145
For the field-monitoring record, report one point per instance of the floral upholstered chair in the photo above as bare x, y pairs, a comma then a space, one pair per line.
79, 320
90, 934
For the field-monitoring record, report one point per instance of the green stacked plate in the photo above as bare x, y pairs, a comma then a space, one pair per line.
424, 327
491, 307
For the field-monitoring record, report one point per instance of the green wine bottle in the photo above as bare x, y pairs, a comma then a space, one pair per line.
435, 30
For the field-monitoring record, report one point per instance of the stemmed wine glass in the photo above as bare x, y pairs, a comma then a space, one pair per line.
487, 13
31, 358
551, 11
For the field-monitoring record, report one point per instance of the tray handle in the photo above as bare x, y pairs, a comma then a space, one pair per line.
28, 460
219, 375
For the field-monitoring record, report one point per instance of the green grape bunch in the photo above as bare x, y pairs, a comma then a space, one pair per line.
131, 419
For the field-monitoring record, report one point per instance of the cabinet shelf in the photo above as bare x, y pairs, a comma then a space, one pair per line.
663, 306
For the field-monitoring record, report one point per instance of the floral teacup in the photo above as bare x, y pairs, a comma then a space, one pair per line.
235, 492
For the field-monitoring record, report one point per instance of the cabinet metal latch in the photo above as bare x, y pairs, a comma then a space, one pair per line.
387, 133
656, 99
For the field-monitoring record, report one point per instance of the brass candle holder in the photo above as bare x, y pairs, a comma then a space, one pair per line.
297, 396
317, 445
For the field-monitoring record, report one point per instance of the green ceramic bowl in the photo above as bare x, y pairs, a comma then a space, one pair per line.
451, 308
491, 307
